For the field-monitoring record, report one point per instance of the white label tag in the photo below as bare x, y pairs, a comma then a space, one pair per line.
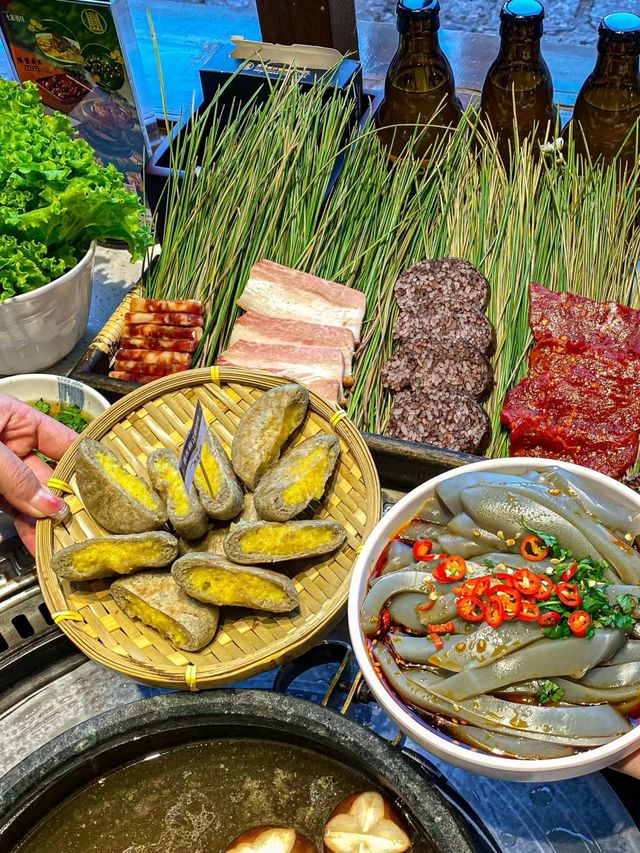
192, 451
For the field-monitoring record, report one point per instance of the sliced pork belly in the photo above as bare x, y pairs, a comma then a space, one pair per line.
306, 364
327, 389
271, 330
171, 306
322, 362
277, 291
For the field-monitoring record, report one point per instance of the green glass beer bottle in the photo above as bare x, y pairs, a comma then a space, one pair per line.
605, 117
517, 96
419, 88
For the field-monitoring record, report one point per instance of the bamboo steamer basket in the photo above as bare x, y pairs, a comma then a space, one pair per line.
160, 414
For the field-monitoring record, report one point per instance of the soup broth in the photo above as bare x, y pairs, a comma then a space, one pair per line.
198, 798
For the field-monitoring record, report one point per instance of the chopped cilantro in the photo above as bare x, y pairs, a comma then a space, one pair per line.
490, 564
549, 692
616, 620
590, 578
557, 632
627, 603
549, 541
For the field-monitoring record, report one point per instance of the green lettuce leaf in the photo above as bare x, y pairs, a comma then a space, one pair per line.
55, 198
27, 265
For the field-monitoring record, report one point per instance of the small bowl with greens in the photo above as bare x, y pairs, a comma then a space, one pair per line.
68, 401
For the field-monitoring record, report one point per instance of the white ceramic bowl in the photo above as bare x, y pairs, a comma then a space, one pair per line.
430, 739
39, 328
30, 387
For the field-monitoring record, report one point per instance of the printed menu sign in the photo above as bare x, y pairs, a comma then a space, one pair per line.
72, 51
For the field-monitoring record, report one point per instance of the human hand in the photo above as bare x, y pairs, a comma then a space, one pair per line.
24, 430
629, 765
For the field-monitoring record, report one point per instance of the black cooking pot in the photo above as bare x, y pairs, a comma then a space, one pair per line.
30, 791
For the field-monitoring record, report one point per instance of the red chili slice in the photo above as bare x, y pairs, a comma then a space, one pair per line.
385, 621
511, 600
549, 619
451, 570
470, 608
481, 585
526, 582
533, 548
569, 594
530, 612
422, 549
471, 585
579, 623
505, 577
442, 628
494, 611
570, 572
545, 591
437, 641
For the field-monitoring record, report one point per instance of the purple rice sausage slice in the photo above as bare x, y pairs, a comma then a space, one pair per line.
443, 277
429, 366
443, 321
445, 419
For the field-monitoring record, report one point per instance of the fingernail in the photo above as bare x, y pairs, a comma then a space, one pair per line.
62, 517
46, 503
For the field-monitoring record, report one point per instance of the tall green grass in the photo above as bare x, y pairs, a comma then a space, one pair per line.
256, 187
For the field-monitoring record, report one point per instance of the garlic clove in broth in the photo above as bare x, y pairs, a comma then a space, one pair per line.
271, 839
365, 823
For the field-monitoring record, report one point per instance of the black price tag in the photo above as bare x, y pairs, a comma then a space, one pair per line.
191, 455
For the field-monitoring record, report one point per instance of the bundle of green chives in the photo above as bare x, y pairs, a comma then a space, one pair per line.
256, 186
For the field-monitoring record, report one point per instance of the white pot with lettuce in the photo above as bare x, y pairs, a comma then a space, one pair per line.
55, 202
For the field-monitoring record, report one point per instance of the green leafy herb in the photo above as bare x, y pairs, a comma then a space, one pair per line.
591, 581
551, 542
55, 198
627, 603
614, 619
489, 563
557, 632
72, 417
549, 692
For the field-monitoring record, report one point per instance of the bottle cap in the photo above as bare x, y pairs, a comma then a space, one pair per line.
620, 28
425, 13
525, 15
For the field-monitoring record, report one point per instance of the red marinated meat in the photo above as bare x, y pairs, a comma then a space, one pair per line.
149, 330
162, 318
159, 344
154, 356
576, 395
581, 402
171, 306
124, 366
612, 459
566, 315
605, 362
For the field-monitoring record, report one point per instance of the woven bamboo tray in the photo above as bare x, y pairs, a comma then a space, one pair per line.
160, 415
